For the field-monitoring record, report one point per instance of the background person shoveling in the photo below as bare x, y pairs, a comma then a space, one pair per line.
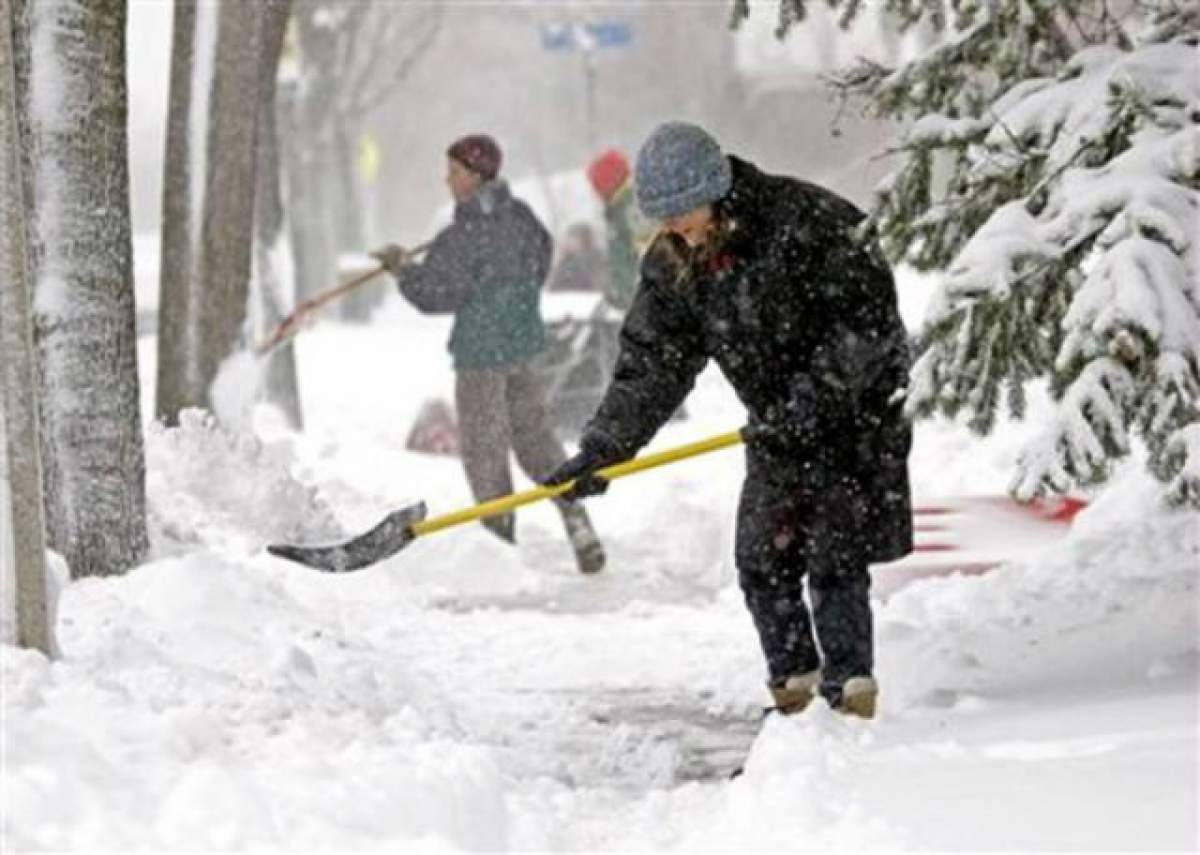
487, 268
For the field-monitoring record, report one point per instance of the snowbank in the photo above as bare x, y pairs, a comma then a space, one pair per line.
1115, 602
467, 696
209, 486
200, 705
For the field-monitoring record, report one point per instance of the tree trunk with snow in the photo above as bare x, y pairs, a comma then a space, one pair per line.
281, 386
176, 387
24, 549
227, 223
72, 94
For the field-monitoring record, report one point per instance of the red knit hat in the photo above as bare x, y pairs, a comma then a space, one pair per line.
608, 172
478, 153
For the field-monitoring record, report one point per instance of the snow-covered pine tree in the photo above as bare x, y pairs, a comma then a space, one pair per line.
1052, 168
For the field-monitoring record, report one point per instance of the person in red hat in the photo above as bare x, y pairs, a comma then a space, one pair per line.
487, 268
628, 232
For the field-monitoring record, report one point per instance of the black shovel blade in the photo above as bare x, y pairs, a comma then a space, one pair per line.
385, 540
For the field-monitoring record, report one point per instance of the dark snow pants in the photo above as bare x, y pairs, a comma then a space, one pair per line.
785, 536
498, 409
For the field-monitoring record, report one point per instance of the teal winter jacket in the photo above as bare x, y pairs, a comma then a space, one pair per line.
487, 269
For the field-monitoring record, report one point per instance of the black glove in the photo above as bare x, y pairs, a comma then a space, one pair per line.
765, 438
595, 452
392, 258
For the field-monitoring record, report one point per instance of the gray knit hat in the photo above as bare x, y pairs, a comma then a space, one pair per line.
679, 168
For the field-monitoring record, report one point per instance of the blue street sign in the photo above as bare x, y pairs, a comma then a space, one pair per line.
610, 33
600, 34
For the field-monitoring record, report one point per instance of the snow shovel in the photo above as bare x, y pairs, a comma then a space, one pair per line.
400, 528
306, 311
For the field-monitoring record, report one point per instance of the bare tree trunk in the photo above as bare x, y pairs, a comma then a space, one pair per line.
282, 387
227, 227
310, 158
349, 221
71, 85
22, 514
308, 210
173, 391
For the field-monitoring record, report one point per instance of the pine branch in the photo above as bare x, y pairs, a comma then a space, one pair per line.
1179, 466
1063, 212
1046, 23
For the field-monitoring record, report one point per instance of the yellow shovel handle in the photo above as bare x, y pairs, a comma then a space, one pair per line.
536, 494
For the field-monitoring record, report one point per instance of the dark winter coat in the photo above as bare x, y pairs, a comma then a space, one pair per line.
803, 321
487, 268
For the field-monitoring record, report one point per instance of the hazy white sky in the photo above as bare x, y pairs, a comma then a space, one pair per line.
149, 53
465, 84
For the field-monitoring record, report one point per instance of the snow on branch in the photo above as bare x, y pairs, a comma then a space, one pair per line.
1051, 169
995, 257
1181, 465
1068, 225
1131, 292
1088, 429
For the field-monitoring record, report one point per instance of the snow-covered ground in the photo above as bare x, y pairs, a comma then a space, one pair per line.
467, 696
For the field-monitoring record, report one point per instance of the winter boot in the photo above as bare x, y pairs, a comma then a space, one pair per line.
793, 694
589, 552
504, 526
857, 697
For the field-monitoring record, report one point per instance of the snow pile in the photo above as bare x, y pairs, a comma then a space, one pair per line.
203, 706
235, 389
467, 695
800, 792
1116, 602
462, 564
949, 459
797, 791
208, 485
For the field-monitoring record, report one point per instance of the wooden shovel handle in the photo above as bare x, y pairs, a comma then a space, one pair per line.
294, 322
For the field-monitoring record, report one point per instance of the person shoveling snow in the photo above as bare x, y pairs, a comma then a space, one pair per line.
761, 273
487, 269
